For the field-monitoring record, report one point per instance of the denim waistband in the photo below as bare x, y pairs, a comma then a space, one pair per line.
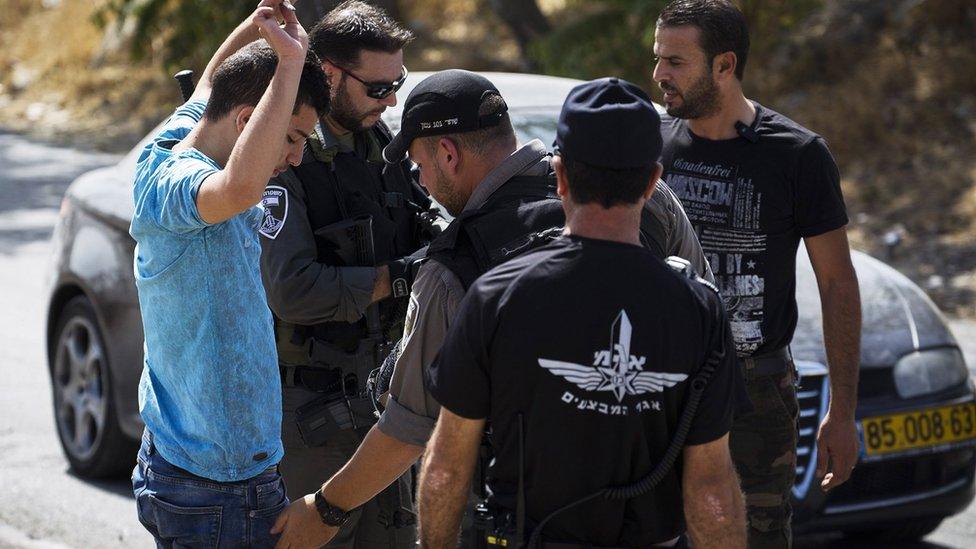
149, 454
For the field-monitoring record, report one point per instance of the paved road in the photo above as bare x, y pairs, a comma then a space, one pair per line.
42, 505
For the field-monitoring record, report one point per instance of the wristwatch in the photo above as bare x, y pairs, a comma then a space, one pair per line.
330, 514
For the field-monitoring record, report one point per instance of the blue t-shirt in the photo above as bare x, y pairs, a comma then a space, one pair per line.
210, 391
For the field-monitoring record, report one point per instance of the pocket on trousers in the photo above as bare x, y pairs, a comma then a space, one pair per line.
261, 520
270, 497
192, 527
767, 400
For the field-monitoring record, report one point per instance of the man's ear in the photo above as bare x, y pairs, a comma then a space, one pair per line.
450, 155
724, 65
332, 72
652, 184
562, 187
243, 115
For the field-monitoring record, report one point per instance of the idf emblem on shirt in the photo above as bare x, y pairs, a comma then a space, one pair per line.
614, 370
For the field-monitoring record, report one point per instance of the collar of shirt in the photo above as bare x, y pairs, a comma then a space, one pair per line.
529, 159
325, 144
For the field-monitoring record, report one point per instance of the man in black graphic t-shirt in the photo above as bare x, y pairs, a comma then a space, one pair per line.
580, 355
753, 183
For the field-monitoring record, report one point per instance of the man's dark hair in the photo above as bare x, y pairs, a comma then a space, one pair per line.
352, 27
723, 27
589, 184
243, 78
481, 141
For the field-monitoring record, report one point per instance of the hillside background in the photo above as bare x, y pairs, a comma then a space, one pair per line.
891, 84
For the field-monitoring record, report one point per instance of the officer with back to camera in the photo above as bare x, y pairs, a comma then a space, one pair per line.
338, 234
457, 129
584, 356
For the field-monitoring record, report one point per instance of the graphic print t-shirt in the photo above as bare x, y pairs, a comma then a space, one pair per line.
594, 344
751, 203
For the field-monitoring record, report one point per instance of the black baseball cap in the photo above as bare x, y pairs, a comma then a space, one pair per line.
609, 123
444, 102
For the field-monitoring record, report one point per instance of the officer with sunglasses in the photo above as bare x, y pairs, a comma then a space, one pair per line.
339, 233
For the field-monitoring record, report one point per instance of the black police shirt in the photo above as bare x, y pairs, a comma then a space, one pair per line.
750, 200
594, 343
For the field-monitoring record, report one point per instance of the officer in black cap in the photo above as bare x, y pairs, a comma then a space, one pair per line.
597, 366
457, 130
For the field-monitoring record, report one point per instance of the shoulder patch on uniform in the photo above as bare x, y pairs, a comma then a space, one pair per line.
275, 204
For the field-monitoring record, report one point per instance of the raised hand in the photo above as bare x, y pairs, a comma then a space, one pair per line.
288, 40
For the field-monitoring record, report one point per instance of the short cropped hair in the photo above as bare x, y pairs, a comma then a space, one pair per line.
243, 78
608, 187
723, 27
352, 27
482, 141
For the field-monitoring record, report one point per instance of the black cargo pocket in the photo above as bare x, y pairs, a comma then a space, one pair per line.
191, 527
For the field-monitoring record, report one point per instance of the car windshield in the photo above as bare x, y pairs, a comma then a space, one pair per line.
535, 124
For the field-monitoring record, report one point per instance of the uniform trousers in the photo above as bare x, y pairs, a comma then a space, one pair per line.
763, 446
377, 524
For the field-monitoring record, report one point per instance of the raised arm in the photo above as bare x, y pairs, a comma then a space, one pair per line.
244, 34
841, 304
712, 499
241, 183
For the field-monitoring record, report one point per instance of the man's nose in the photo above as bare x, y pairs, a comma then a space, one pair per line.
389, 100
658, 74
295, 155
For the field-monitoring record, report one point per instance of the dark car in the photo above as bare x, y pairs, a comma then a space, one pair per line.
916, 411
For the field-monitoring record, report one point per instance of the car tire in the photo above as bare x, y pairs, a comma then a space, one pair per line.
914, 530
84, 408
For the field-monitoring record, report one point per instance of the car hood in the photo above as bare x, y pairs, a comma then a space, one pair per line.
897, 317
106, 193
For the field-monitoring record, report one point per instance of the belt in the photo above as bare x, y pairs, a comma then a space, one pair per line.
766, 364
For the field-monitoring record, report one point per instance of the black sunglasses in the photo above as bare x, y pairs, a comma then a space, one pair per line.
379, 90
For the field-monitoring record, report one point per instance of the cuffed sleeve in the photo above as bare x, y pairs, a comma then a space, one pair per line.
405, 425
434, 301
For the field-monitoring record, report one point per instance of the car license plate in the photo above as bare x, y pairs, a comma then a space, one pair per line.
919, 429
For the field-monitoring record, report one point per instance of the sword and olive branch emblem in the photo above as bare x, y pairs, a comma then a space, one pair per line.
614, 369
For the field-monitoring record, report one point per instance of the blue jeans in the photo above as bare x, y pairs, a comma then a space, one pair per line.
181, 509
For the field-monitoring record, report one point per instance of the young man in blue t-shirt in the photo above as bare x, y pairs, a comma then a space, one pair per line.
210, 394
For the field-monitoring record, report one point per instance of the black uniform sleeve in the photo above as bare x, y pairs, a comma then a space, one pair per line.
458, 378
722, 396
819, 204
300, 289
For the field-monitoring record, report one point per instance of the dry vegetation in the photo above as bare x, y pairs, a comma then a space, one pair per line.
891, 84
893, 88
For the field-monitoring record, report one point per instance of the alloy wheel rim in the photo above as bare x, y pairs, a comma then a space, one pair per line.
79, 397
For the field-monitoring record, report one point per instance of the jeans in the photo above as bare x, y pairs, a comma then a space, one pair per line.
181, 509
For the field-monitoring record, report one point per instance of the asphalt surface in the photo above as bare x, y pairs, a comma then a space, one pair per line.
42, 505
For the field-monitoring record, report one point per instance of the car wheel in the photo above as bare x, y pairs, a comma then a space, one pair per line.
900, 532
84, 409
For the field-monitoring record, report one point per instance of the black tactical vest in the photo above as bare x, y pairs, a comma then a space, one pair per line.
522, 214
350, 187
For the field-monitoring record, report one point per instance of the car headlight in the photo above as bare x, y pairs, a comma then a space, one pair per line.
926, 372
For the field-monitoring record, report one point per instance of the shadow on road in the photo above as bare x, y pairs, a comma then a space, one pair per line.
33, 179
118, 486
